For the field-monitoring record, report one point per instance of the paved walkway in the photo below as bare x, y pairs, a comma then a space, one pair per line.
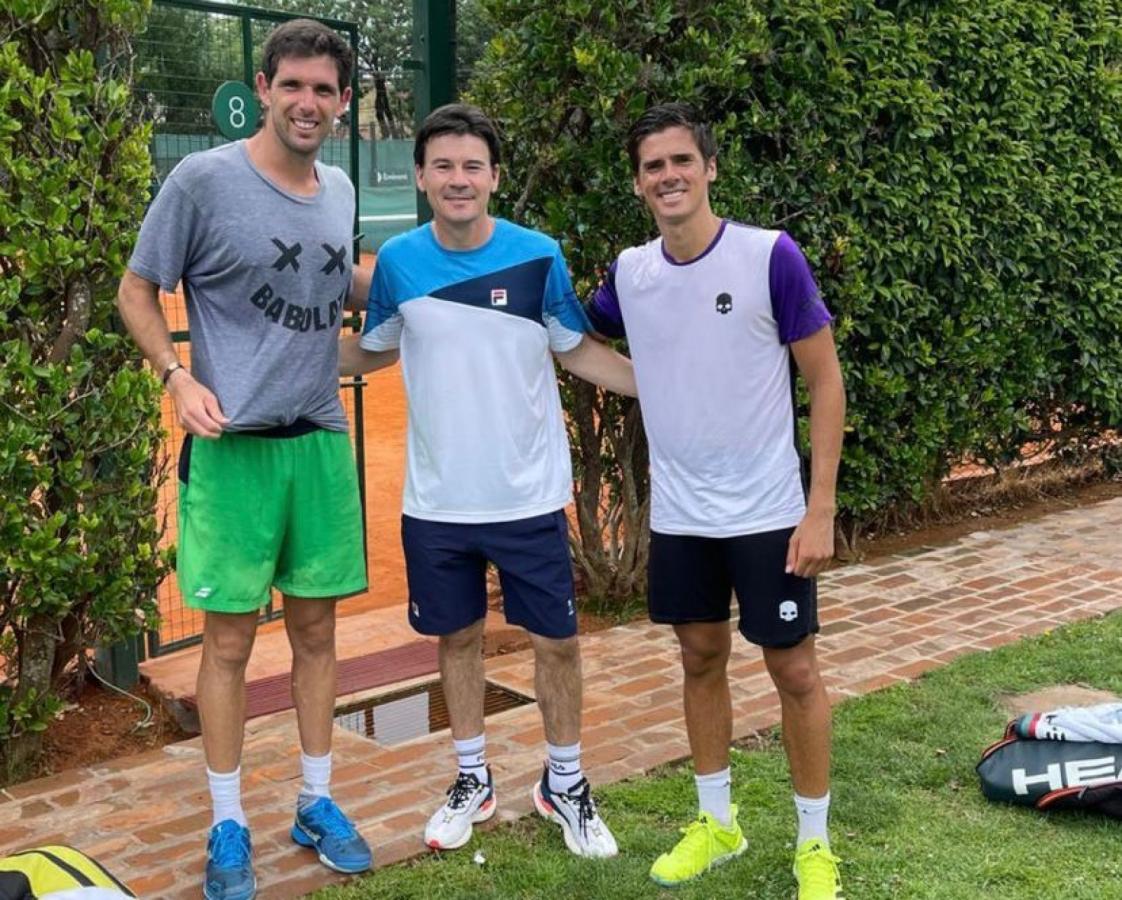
884, 622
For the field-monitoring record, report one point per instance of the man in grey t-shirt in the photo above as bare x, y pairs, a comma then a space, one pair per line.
259, 233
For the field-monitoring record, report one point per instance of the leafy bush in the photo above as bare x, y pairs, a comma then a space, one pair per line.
952, 171
79, 417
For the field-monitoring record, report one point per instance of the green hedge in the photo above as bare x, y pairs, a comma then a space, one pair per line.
951, 169
79, 416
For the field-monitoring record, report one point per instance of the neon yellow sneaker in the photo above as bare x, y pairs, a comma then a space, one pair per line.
705, 844
816, 871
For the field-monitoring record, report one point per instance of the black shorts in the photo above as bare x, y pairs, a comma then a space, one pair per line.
446, 564
691, 579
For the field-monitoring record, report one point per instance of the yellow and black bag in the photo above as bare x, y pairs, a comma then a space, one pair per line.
36, 873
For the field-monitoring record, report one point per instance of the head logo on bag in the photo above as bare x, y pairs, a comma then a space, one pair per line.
1054, 774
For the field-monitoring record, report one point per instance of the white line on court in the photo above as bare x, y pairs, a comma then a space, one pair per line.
410, 217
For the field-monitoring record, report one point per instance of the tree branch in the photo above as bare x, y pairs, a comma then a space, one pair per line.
77, 320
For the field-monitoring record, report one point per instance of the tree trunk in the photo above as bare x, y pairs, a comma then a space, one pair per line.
611, 495
36, 660
383, 111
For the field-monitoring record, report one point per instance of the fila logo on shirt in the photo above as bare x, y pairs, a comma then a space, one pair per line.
498, 296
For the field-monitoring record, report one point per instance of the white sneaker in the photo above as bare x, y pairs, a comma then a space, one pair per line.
469, 801
575, 811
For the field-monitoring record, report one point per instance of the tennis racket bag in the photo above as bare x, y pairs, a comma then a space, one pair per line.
1053, 774
46, 873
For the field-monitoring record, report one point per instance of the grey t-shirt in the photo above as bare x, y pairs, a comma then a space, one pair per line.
265, 273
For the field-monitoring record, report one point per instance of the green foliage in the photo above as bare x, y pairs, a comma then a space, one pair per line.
951, 170
79, 417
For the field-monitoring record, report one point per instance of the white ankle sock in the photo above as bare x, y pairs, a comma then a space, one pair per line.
472, 756
317, 775
226, 796
714, 795
813, 812
564, 766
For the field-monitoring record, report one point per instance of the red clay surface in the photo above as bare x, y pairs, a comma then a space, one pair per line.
384, 418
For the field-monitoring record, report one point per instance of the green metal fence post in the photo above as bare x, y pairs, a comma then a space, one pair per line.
357, 382
434, 66
249, 71
119, 664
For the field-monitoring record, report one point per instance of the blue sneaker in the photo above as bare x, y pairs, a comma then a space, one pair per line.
229, 863
323, 826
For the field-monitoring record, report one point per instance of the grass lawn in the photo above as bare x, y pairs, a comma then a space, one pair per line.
908, 818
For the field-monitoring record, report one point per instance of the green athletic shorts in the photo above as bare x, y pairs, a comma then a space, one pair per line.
258, 512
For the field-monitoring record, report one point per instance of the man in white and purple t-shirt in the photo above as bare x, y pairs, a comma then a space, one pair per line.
714, 313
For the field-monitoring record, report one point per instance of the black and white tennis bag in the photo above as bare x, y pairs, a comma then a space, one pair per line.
1052, 773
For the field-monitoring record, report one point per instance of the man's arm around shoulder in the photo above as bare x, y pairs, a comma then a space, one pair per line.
354, 360
360, 288
595, 361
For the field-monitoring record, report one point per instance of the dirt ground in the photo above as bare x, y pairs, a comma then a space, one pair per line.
101, 725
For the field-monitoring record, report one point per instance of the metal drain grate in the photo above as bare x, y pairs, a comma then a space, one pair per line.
416, 711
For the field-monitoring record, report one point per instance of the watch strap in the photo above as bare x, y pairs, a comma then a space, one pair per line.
169, 370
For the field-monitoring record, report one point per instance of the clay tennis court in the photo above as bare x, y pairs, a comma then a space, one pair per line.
384, 415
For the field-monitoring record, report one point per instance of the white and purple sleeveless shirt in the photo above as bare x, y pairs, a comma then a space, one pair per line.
709, 338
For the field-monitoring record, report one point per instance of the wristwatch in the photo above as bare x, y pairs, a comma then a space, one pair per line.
167, 372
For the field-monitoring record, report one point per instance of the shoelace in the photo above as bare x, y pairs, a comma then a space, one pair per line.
699, 830
821, 870
581, 797
230, 849
328, 819
462, 789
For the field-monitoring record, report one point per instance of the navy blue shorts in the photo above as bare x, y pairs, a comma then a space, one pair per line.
691, 579
446, 564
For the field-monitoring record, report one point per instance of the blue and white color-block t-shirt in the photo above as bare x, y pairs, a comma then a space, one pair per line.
709, 338
476, 328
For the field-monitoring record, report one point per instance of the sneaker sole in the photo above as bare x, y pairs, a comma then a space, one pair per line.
485, 812
795, 896
301, 837
546, 810
250, 896
719, 861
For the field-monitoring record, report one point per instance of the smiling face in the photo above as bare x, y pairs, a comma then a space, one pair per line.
457, 178
302, 102
673, 177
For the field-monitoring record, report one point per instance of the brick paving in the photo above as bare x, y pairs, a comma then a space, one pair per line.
883, 622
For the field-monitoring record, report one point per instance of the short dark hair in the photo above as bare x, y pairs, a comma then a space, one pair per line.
457, 118
670, 115
304, 38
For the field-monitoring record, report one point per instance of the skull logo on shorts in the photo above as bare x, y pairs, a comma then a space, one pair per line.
788, 610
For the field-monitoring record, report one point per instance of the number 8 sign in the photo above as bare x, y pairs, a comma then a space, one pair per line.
234, 110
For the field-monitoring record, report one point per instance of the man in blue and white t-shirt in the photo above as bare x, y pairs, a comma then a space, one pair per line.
714, 312
479, 308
